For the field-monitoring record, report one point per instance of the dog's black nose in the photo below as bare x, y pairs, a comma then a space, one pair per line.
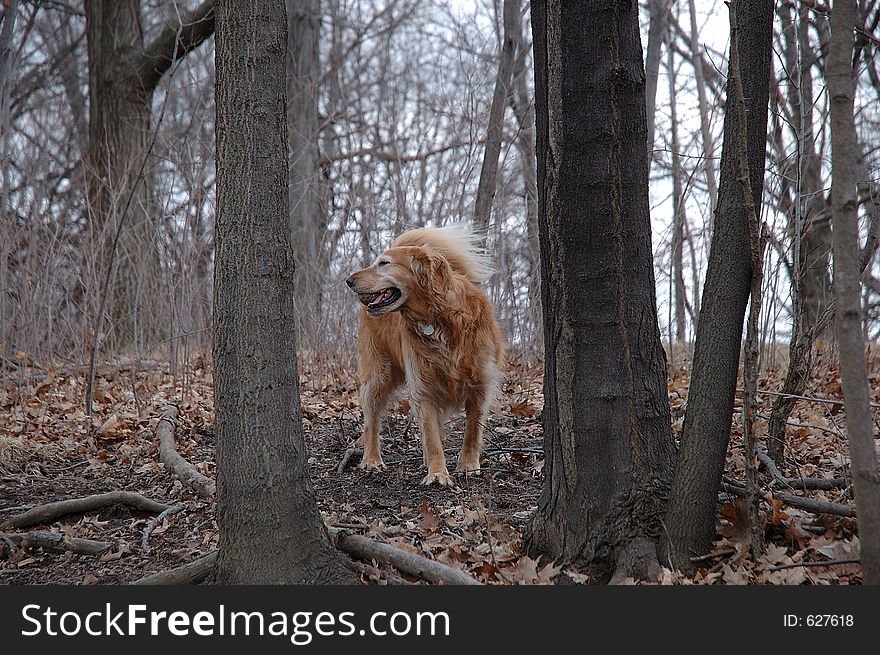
350, 281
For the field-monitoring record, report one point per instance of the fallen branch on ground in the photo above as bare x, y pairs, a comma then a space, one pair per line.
416, 565
186, 472
831, 562
808, 504
50, 511
350, 454
155, 521
803, 483
52, 542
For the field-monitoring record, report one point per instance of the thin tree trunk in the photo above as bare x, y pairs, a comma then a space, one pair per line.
690, 519
308, 221
607, 432
703, 105
492, 151
524, 110
659, 12
677, 209
270, 528
853, 367
756, 251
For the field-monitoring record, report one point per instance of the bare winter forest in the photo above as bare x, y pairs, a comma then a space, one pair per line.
411, 113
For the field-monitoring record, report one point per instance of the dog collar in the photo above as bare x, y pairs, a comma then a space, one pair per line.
426, 328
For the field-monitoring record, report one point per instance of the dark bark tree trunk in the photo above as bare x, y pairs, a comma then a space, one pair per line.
492, 151
607, 433
308, 219
690, 518
270, 528
123, 74
853, 367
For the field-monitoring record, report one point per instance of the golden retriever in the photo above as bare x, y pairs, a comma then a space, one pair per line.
427, 324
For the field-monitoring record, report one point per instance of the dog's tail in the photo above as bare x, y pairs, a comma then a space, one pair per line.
458, 244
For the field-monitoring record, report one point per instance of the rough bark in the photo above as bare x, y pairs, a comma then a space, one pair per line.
756, 252
492, 150
690, 518
270, 528
853, 367
607, 433
308, 220
123, 74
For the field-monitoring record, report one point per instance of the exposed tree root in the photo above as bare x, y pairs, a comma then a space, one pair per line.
185, 471
52, 542
51, 511
355, 545
421, 567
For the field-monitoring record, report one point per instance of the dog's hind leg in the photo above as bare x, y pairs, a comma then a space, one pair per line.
432, 447
475, 409
374, 395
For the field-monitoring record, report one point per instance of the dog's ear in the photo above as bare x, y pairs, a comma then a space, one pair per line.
432, 270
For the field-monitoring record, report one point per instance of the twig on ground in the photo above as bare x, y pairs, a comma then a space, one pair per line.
350, 454
808, 504
184, 470
52, 542
803, 483
708, 556
155, 521
831, 562
369, 570
50, 511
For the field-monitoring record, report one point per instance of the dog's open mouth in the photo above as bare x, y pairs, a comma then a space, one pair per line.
379, 299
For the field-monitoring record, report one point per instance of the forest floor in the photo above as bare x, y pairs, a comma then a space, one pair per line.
50, 450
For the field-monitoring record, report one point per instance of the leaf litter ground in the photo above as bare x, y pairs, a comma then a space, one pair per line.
50, 450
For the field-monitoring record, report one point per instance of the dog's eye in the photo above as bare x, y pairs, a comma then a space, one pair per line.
383, 262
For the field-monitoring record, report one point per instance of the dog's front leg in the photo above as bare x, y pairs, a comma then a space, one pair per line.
374, 398
432, 448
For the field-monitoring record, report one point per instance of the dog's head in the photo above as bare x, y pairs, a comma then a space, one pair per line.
414, 275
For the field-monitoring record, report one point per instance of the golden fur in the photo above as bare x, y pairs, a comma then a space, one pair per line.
438, 336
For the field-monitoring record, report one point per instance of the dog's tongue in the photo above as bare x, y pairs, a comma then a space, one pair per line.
382, 297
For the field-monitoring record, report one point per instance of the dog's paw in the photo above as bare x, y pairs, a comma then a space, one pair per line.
468, 464
372, 464
440, 477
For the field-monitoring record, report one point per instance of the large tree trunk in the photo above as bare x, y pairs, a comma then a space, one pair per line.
308, 221
690, 519
123, 74
270, 528
607, 434
492, 151
853, 369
